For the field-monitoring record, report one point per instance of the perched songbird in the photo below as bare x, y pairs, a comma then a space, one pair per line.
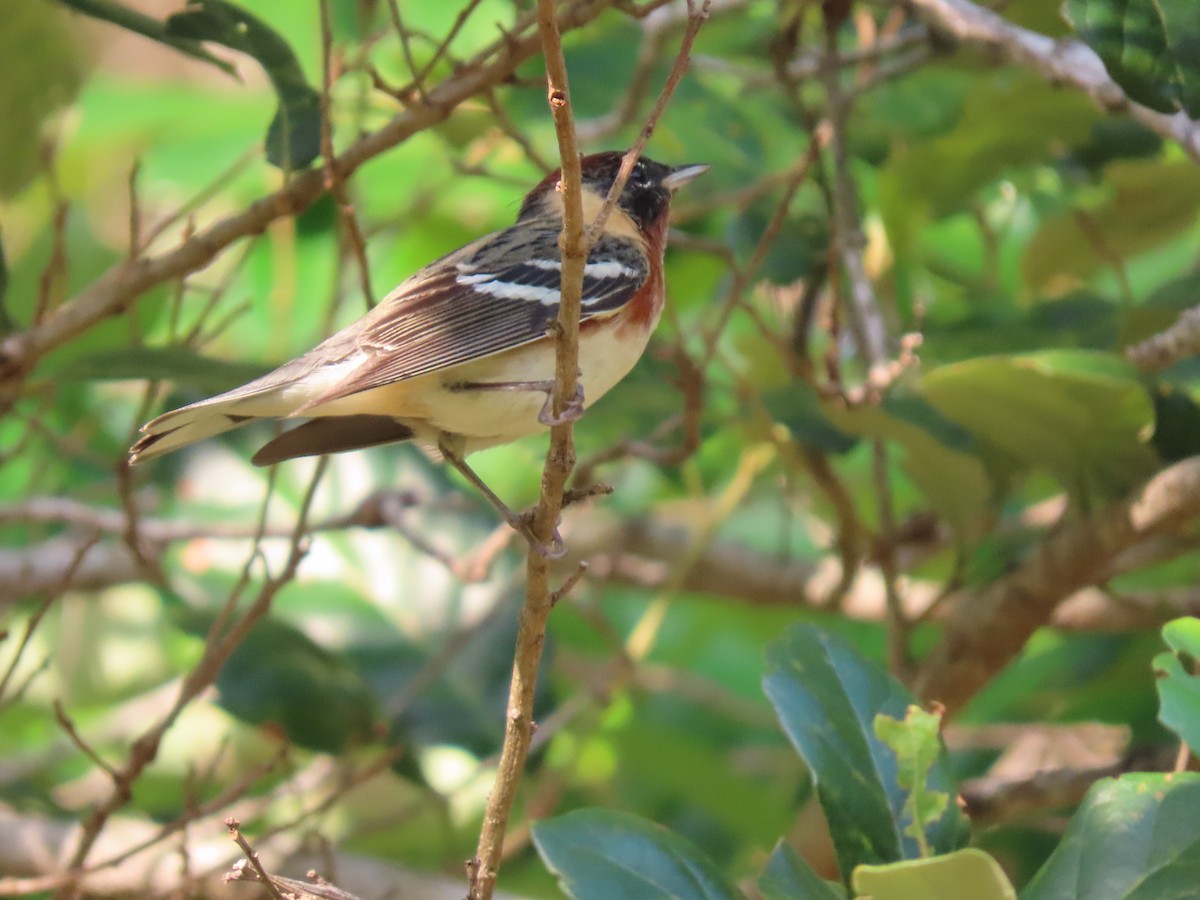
458, 358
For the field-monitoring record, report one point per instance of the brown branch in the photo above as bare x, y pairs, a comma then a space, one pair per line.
560, 460
334, 183
574, 244
860, 301
1061, 61
988, 629
1168, 347
220, 644
127, 280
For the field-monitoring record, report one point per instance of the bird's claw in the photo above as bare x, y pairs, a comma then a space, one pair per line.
523, 525
572, 412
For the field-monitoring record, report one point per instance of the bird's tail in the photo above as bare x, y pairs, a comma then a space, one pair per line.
207, 418
202, 420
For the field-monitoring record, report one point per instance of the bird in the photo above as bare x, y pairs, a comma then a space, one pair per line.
458, 358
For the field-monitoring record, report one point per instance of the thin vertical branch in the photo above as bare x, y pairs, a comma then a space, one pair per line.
560, 460
333, 181
574, 244
866, 318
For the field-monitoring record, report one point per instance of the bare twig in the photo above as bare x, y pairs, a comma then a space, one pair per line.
221, 643
1061, 61
235, 832
560, 458
333, 181
128, 279
984, 634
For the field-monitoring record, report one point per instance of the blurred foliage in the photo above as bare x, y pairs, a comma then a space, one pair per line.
1026, 237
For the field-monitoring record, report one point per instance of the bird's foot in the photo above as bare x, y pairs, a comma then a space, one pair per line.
522, 523
572, 412
546, 416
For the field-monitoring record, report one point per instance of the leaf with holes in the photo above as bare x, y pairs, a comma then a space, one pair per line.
827, 696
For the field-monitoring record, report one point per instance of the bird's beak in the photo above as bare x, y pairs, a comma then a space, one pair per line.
682, 175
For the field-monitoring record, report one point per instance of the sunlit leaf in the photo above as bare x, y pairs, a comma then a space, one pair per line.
938, 455
1151, 202
1178, 683
964, 873
1136, 837
1084, 416
6, 322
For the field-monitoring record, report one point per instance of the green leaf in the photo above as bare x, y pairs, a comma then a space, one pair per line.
599, 854
930, 178
279, 678
147, 26
294, 135
1151, 201
1082, 415
1178, 685
1151, 48
1136, 837
182, 365
964, 873
826, 697
798, 407
938, 455
1176, 425
788, 877
915, 741
42, 70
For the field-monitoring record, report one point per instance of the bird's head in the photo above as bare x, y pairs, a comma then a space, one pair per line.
647, 193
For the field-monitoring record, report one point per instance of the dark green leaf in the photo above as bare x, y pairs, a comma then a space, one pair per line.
279, 678
917, 411
599, 854
1117, 138
294, 135
1151, 48
964, 873
1176, 425
182, 365
798, 407
788, 877
827, 696
1136, 837
146, 26
1178, 683
462, 705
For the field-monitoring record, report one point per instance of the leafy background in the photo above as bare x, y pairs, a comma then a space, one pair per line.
1028, 237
